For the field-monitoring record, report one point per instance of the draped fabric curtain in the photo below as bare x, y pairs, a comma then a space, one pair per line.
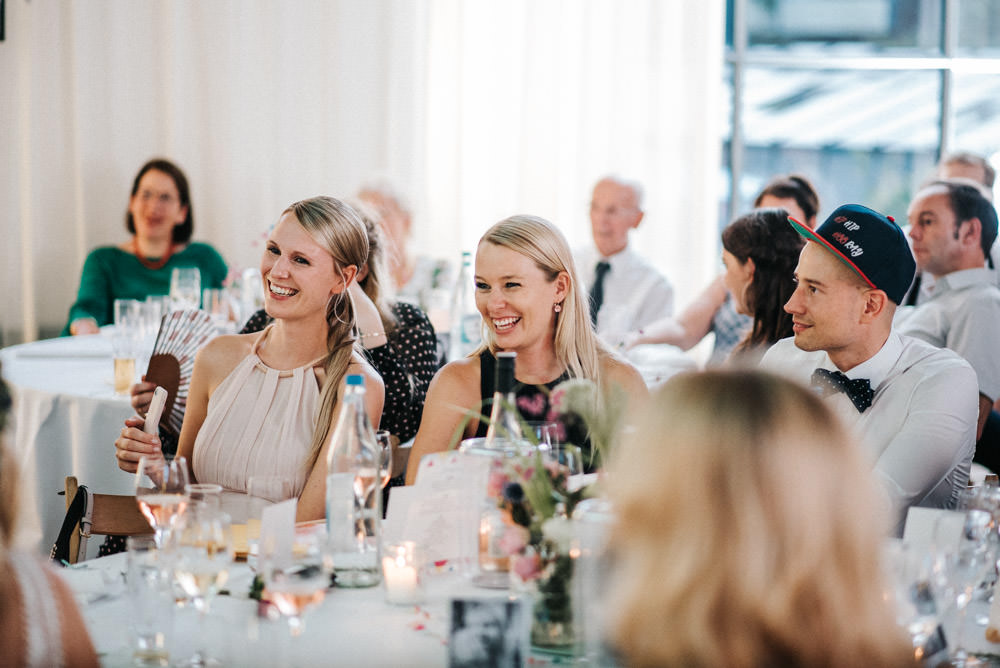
477, 110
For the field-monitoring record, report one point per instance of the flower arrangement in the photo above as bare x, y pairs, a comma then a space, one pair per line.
537, 499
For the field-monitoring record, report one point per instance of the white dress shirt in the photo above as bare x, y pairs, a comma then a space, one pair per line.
962, 314
636, 294
919, 432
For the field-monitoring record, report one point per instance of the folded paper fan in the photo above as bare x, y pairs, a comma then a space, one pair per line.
182, 334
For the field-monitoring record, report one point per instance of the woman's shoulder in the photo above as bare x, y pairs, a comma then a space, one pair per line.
459, 378
221, 355
618, 371
201, 248
107, 254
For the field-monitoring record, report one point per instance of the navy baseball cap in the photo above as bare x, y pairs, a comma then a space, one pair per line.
870, 244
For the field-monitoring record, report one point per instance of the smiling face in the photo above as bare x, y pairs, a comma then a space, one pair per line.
828, 304
156, 206
936, 246
737, 278
613, 212
299, 275
516, 298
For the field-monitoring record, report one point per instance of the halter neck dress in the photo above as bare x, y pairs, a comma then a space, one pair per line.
260, 421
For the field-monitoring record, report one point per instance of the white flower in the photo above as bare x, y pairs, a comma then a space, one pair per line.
560, 531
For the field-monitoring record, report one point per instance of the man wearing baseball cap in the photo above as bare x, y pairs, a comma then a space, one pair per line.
953, 227
913, 406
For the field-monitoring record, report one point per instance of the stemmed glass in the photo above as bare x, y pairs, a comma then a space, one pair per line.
202, 554
298, 585
185, 288
961, 567
160, 492
384, 441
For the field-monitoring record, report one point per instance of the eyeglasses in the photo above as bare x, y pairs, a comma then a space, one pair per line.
160, 198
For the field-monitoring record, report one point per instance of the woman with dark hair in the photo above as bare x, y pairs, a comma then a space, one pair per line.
713, 311
161, 221
760, 251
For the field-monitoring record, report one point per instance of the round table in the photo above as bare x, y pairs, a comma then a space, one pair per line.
65, 420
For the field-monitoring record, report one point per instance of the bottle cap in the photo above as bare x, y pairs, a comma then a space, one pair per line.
355, 379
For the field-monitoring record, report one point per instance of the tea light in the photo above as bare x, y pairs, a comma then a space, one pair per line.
401, 575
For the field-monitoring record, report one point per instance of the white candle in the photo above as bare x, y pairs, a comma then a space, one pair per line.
402, 582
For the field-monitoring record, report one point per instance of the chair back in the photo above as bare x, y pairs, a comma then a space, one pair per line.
88, 513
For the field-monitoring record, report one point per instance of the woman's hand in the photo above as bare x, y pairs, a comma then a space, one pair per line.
82, 326
134, 443
141, 394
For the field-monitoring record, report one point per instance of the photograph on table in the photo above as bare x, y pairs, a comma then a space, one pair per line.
488, 633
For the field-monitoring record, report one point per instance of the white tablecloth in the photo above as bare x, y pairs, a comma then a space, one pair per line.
351, 627
66, 419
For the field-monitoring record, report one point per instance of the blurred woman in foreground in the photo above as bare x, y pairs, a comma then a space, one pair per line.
39, 622
749, 533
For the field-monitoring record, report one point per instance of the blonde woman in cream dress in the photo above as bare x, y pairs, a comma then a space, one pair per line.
264, 403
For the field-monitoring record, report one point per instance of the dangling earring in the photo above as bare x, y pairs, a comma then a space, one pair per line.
557, 307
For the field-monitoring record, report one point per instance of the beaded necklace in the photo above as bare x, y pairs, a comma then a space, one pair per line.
151, 264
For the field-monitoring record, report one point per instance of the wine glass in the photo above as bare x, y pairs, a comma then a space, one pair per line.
202, 554
298, 585
160, 492
185, 288
384, 440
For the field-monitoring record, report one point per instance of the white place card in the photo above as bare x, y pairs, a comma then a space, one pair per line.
277, 532
440, 513
923, 525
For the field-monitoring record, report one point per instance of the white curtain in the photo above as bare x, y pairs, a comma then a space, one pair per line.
476, 109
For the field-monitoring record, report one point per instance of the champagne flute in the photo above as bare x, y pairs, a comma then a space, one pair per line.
202, 554
384, 440
185, 288
160, 492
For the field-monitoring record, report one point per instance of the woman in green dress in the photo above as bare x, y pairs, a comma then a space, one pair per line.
161, 221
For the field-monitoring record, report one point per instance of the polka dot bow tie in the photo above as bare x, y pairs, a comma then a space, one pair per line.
859, 390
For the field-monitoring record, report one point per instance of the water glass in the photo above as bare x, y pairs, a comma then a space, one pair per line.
185, 288
215, 302
151, 601
126, 342
204, 494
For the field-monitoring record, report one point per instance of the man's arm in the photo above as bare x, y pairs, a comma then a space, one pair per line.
937, 432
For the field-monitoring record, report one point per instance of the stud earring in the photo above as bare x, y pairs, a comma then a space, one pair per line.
557, 307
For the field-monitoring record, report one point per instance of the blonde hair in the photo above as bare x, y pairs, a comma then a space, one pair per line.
336, 227
749, 532
373, 282
577, 348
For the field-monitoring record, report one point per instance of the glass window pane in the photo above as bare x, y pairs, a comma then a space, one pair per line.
846, 27
979, 28
868, 137
976, 119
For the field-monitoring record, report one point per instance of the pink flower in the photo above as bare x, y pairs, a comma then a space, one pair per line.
514, 539
495, 483
526, 566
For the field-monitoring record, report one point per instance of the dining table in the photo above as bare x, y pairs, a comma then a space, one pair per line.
66, 417
350, 627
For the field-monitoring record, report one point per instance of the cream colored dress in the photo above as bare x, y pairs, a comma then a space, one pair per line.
260, 422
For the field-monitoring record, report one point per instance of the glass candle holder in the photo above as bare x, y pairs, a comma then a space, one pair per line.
401, 573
